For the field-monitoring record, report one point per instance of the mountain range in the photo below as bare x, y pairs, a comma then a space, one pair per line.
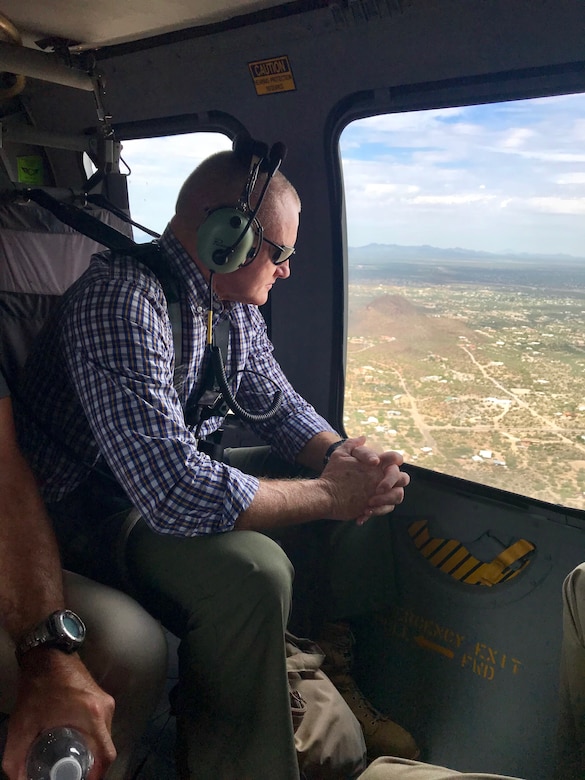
376, 254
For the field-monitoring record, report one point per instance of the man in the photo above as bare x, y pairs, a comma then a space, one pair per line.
49, 687
196, 559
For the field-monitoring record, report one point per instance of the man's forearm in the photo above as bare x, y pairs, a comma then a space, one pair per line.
29, 558
279, 503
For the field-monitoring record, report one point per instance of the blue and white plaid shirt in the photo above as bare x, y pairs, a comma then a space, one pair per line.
100, 379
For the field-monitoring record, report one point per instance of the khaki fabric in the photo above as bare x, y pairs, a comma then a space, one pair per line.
402, 769
329, 740
571, 731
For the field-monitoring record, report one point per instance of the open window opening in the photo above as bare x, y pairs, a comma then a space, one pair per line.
466, 299
157, 169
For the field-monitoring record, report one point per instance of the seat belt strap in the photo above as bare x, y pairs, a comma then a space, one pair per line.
82, 221
202, 406
147, 254
104, 203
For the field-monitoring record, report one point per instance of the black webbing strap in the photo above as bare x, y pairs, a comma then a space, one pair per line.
82, 221
104, 203
147, 254
208, 400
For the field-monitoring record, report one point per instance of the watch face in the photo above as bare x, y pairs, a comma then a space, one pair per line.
69, 630
72, 626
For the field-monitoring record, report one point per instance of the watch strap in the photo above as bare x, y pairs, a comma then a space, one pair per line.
47, 633
331, 449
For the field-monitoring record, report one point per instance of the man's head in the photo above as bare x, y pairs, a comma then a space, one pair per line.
218, 182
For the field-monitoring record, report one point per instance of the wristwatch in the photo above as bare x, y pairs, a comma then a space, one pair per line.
331, 449
63, 630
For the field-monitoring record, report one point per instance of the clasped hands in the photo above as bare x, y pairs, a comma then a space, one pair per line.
365, 483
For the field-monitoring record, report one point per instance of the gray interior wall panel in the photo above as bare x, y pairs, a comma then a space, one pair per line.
472, 671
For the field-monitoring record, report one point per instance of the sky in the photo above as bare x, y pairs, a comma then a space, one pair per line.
506, 177
158, 167
499, 177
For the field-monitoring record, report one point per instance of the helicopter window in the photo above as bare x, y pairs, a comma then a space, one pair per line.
158, 167
89, 167
466, 294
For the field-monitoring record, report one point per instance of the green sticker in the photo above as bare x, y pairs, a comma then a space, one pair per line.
30, 169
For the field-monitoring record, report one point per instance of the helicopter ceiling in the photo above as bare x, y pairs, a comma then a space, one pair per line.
86, 24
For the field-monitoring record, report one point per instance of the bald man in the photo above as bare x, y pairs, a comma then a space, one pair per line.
111, 391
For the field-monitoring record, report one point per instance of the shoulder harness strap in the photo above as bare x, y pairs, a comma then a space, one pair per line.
150, 256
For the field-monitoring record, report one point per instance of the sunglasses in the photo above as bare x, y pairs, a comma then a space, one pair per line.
280, 253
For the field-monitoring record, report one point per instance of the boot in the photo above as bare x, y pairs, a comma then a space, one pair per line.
383, 737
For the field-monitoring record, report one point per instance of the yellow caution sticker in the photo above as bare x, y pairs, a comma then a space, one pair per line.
273, 75
30, 169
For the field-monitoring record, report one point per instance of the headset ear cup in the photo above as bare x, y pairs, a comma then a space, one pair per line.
218, 234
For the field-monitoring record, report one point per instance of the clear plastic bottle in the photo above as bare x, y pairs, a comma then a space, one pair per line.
59, 754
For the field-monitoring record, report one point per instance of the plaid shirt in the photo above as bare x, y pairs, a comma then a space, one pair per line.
100, 378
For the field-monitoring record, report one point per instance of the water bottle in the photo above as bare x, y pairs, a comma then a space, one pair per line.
59, 754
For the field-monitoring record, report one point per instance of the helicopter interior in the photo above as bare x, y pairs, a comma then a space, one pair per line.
455, 598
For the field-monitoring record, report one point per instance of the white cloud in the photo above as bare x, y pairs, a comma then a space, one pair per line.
516, 137
450, 200
466, 128
380, 188
549, 156
558, 205
500, 176
409, 121
576, 177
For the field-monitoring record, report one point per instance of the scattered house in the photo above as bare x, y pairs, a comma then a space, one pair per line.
505, 402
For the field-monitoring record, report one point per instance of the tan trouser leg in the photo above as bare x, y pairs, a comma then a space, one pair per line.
571, 734
404, 769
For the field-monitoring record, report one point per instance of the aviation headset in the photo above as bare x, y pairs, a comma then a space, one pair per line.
230, 236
